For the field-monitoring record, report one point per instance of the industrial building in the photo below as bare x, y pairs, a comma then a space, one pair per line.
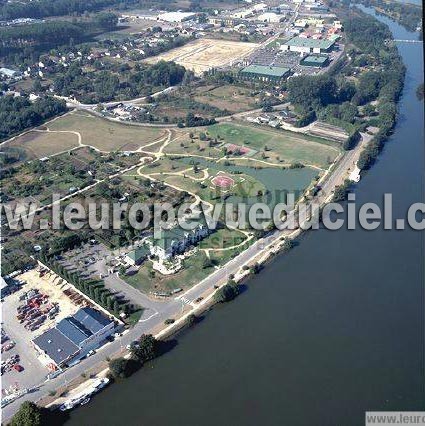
307, 45
264, 73
73, 337
315, 61
270, 17
176, 16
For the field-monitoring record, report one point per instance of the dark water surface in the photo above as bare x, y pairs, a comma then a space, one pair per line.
326, 332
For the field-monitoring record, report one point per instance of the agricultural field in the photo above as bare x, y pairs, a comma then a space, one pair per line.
203, 54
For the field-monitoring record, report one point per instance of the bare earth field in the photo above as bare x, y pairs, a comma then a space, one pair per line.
105, 135
38, 144
233, 98
203, 54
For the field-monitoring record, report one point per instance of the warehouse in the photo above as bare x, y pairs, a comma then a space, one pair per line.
74, 336
264, 73
307, 45
270, 17
176, 16
315, 61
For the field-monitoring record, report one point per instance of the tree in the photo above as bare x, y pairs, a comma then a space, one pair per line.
29, 414
191, 320
341, 191
147, 349
119, 367
106, 21
226, 293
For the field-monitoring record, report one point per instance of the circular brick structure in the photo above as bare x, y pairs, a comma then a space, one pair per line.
223, 181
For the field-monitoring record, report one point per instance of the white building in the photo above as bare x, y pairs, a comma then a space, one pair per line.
176, 16
177, 240
270, 17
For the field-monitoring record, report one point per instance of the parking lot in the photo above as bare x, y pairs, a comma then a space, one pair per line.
37, 306
97, 261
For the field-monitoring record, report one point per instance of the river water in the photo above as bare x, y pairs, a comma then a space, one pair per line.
332, 329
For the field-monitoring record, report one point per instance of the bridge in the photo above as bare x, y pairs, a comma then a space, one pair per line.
408, 41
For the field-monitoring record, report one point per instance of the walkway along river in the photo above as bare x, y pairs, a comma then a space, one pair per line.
324, 333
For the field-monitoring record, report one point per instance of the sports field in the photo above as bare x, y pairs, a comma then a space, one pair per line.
203, 54
276, 146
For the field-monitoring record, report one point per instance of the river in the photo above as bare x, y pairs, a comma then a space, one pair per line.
324, 333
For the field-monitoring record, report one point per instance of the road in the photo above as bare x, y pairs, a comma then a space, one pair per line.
172, 308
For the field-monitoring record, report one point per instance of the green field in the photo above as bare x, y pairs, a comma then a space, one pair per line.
191, 274
276, 146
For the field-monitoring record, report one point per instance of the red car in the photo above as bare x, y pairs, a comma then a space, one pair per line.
18, 367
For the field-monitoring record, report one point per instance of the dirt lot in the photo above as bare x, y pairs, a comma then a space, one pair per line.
204, 54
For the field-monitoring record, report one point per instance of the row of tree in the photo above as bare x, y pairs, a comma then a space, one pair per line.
95, 289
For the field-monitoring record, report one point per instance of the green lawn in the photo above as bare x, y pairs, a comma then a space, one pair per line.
191, 274
276, 146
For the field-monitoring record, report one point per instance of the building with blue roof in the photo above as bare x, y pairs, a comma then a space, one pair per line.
73, 337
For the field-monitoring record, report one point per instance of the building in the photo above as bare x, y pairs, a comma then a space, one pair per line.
9, 73
176, 16
307, 45
315, 61
74, 336
264, 73
137, 256
228, 21
177, 240
270, 17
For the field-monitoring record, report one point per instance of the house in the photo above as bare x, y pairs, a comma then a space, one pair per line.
74, 336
